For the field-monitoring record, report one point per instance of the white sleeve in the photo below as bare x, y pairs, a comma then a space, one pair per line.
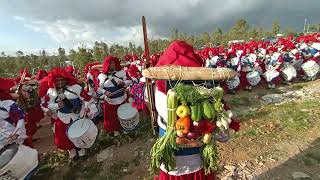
52, 105
101, 79
20, 126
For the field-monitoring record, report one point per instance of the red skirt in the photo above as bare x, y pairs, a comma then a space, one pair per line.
110, 120
60, 136
199, 175
243, 79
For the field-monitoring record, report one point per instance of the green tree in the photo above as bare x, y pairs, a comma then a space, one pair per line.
217, 35
288, 31
239, 30
275, 28
205, 37
19, 53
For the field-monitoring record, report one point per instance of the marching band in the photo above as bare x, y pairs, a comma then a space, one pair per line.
59, 95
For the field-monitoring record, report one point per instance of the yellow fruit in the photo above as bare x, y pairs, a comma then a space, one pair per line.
183, 111
207, 138
181, 134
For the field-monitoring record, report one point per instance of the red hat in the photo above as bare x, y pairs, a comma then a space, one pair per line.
181, 54
89, 66
231, 52
107, 61
133, 71
271, 48
60, 72
69, 69
135, 57
128, 57
40, 74
154, 59
221, 51
310, 38
43, 86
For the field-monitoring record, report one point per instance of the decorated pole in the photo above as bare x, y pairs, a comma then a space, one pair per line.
150, 91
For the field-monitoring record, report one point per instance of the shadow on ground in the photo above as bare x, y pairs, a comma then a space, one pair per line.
307, 162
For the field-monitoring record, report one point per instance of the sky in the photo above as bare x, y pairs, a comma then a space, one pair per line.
32, 25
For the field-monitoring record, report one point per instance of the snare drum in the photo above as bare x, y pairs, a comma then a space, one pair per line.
270, 75
234, 83
253, 78
128, 116
82, 133
311, 68
289, 73
17, 161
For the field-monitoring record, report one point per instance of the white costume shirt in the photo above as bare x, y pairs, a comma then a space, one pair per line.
6, 128
53, 105
105, 81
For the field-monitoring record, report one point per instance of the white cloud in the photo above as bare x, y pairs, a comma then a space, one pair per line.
69, 22
74, 32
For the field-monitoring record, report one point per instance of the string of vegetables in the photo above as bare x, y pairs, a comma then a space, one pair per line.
210, 158
163, 150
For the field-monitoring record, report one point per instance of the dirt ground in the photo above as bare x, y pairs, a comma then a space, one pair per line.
275, 141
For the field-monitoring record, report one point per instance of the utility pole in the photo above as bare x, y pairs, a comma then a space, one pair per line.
304, 26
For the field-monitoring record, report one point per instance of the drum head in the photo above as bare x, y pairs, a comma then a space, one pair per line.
7, 153
252, 74
308, 64
126, 111
78, 127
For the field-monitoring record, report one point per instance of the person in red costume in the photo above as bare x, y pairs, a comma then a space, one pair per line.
112, 83
6, 85
40, 75
71, 70
189, 166
65, 96
28, 101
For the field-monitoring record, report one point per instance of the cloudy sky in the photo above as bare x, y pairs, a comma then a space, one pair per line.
30, 25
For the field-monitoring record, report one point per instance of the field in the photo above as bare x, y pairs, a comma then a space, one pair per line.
279, 139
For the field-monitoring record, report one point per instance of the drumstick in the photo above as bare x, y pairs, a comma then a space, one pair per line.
84, 115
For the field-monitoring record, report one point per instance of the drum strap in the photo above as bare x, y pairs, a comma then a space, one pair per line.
70, 91
112, 80
3, 109
7, 119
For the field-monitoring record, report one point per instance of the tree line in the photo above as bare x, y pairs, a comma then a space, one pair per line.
241, 30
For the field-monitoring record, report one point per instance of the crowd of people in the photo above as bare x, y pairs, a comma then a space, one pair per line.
62, 96
282, 60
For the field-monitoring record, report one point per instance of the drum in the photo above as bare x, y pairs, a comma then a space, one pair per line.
310, 68
289, 73
253, 78
270, 75
17, 161
234, 83
128, 116
82, 133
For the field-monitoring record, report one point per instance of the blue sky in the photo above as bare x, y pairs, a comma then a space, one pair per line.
31, 25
